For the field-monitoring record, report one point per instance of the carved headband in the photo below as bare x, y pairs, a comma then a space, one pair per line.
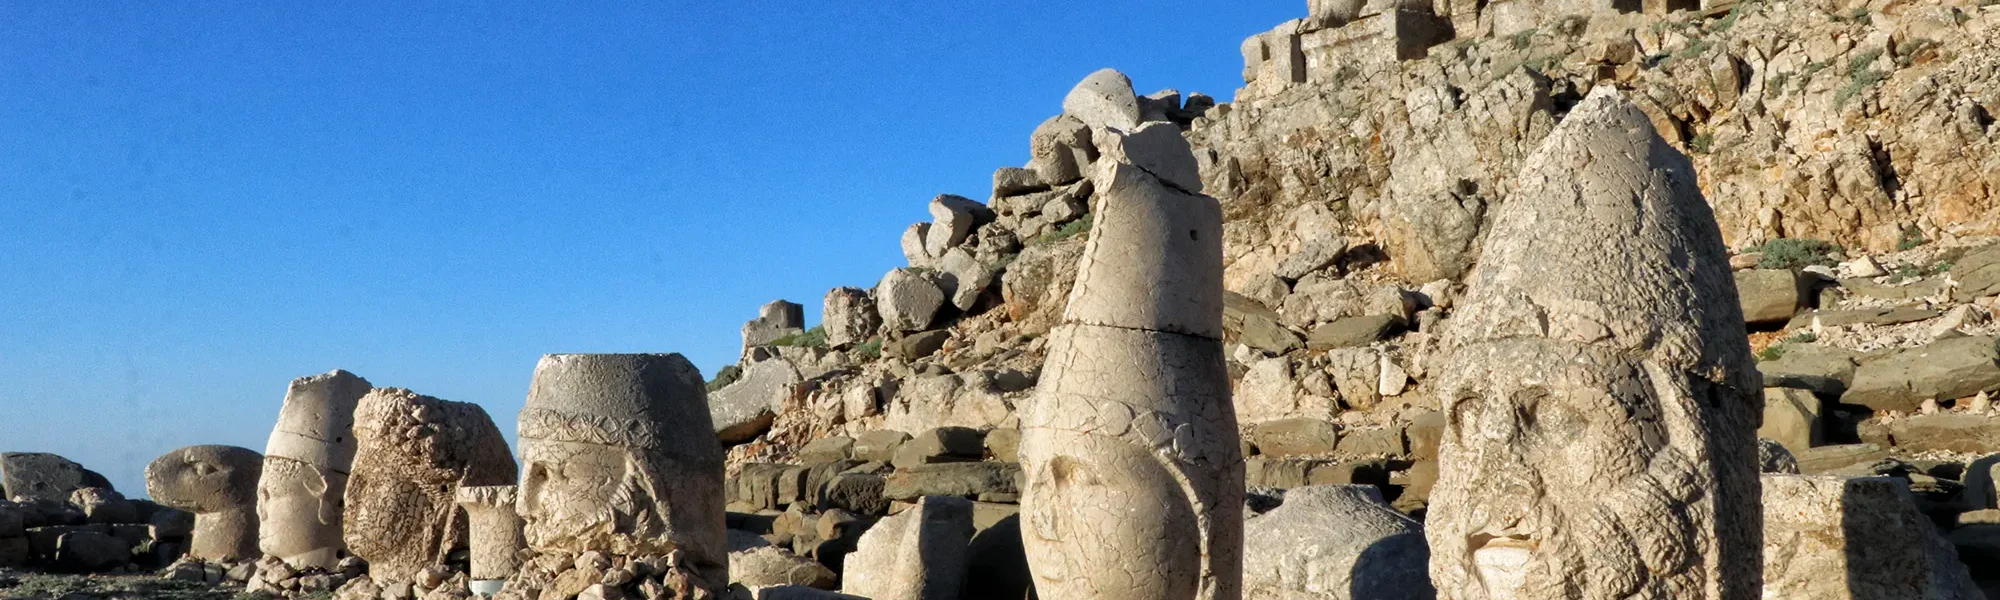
558, 426
310, 450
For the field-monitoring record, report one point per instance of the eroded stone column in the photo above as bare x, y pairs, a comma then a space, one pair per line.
620, 457
1134, 474
413, 453
495, 535
302, 492
1601, 400
219, 485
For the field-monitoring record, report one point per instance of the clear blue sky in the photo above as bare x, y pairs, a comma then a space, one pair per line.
198, 204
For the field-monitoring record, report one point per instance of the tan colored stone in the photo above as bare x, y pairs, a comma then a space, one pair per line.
619, 458
917, 554
219, 485
412, 453
1604, 307
1134, 471
1861, 538
306, 463
494, 530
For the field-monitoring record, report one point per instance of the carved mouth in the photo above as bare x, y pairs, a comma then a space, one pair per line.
1500, 559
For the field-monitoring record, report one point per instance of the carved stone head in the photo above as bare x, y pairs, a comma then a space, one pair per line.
1601, 404
414, 453
219, 485
301, 494
619, 456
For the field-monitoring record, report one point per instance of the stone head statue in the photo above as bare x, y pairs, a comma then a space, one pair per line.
1134, 471
1601, 403
412, 455
619, 456
219, 485
301, 495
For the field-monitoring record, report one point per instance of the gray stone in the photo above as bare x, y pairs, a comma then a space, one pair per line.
964, 278
860, 493
1839, 538
1015, 181
1317, 254
1769, 295
918, 345
1824, 459
941, 445
908, 300
775, 320
1249, 322
1335, 541
965, 479
45, 476
1375, 441
913, 244
1772, 457
1351, 332
849, 317
1901, 292
1978, 273
828, 449
1158, 149
1004, 445
743, 410
1104, 100
1060, 148
90, 551
879, 445
1287, 437
1942, 370
1822, 369
952, 220
103, 505
1791, 418
1150, 247
219, 485
769, 566
918, 554
1957, 432
1861, 316
1425, 433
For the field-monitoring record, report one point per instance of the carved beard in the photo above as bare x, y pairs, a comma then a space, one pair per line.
1637, 542
626, 518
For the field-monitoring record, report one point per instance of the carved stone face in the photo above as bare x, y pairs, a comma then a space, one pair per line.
300, 506
572, 493
205, 479
1110, 507
1567, 478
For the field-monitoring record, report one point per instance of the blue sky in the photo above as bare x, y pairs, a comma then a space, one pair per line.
198, 204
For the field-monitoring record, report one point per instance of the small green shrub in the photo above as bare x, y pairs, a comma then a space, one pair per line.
810, 338
1067, 231
1773, 352
871, 348
724, 377
1703, 144
1857, 83
1793, 253
1776, 84
1521, 40
1863, 60
1804, 337
1695, 48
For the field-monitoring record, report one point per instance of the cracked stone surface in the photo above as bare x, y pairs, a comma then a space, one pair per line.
619, 458
219, 485
494, 530
412, 453
302, 494
1599, 440
1134, 474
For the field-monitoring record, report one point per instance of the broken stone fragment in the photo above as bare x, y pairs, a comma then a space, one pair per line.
849, 316
1335, 541
952, 220
918, 554
744, 410
45, 476
1865, 531
908, 300
1104, 100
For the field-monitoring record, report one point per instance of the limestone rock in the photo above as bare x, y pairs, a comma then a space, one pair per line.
1249, 322
1317, 254
1151, 251
908, 300
952, 220
1564, 316
965, 279
1104, 100
769, 566
849, 317
1335, 541
637, 424
1158, 149
1350, 332
1059, 149
879, 445
219, 485
45, 476
1769, 295
1772, 457
1295, 436
833, 448
303, 486
1015, 181
939, 445
412, 453
918, 554
493, 530
743, 410
1958, 432
90, 551
1978, 273
1791, 418
1833, 537
1942, 370
105, 505
1821, 369
967, 480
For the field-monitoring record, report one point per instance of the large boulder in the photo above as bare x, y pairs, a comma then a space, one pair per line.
1957, 432
743, 410
908, 300
1249, 322
768, 566
1978, 273
1791, 418
1769, 295
1104, 99
45, 476
1823, 369
1862, 538
918, 554
849, 317
1059, 149
1943, 370
1336, 542
952, 220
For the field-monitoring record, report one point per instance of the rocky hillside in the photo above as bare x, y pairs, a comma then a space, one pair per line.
1849, 151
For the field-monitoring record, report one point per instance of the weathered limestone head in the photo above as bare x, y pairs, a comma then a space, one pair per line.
619, 456
1602, 404
302, 492
413, 452
219, 485
1134, 473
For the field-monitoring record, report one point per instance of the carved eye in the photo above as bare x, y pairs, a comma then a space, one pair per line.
204, 469
1464, 416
